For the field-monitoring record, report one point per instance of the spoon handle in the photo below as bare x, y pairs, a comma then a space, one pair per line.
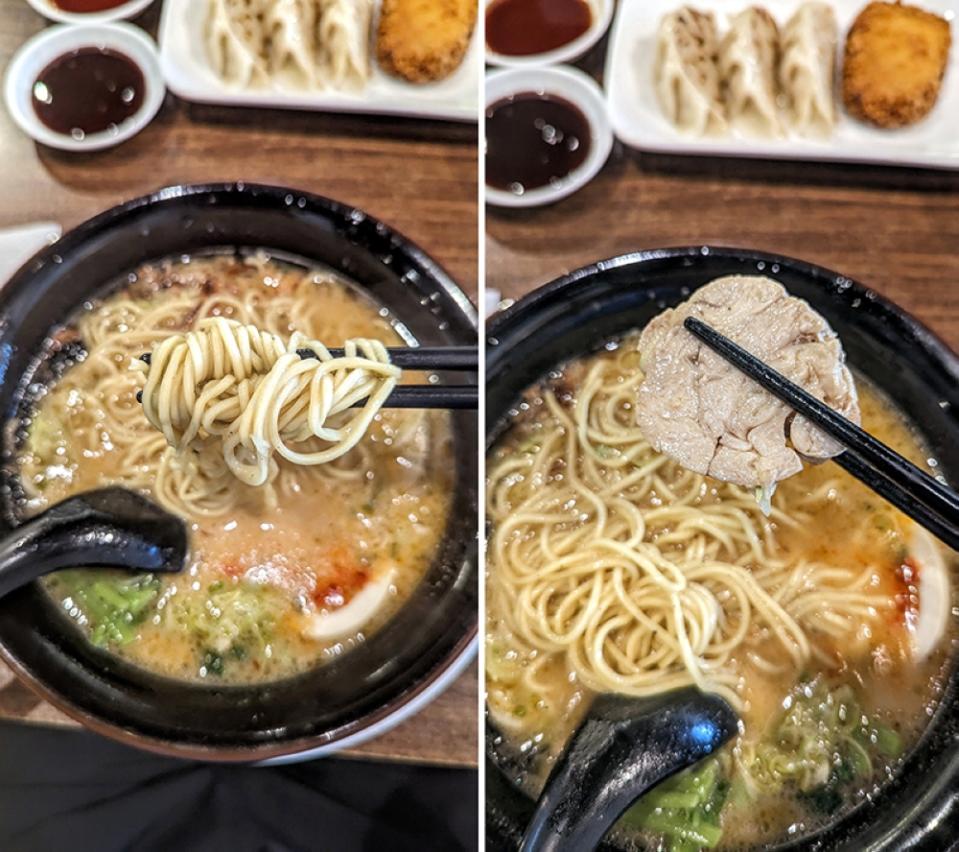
23, 556
624, 748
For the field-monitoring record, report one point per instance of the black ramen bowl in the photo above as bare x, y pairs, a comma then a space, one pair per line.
403, 664
576, 314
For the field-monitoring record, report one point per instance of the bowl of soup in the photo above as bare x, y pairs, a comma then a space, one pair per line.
824, 618
317, 608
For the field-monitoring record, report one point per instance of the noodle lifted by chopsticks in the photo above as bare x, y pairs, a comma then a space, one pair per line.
234, 389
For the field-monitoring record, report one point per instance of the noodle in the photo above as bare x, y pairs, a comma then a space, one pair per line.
197, 484
230, 388
639, 576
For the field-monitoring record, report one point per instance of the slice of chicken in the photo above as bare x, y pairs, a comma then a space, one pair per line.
697, 408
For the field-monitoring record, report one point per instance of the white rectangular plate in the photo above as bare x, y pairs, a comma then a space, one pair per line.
190, 75
638, 120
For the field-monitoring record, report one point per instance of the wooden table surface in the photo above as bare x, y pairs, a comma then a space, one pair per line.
895, 230
419, 177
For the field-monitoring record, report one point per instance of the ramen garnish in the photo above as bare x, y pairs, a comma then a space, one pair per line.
293, 561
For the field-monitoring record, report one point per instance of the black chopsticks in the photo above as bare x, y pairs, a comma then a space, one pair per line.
923, 498
427, 359
420, 357
452, 397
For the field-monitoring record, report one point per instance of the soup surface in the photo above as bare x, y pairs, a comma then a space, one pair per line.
262, 570
825, 623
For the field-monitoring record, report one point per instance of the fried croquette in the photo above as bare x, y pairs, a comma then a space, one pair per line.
895, 59
424, 40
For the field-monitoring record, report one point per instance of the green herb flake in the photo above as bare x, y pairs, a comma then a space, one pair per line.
213, 663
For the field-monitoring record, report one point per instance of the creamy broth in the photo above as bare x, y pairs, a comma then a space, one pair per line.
304, 546
535, 697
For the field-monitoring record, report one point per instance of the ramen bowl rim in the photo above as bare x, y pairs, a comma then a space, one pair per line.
351, 732
541, 301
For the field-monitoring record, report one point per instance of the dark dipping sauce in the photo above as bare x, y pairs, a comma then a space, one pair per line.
82, 6
533, 139
525, 27
88, 90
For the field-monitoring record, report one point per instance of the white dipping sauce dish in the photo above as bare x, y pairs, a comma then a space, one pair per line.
576, 88
53, 12
602, 16
50, 44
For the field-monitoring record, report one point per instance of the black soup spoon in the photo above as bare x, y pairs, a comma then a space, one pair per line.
107, 528
623, 748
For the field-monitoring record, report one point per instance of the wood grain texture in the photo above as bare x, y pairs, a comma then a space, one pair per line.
895, 230
419, 177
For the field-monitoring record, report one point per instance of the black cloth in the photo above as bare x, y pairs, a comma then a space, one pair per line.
77, 792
